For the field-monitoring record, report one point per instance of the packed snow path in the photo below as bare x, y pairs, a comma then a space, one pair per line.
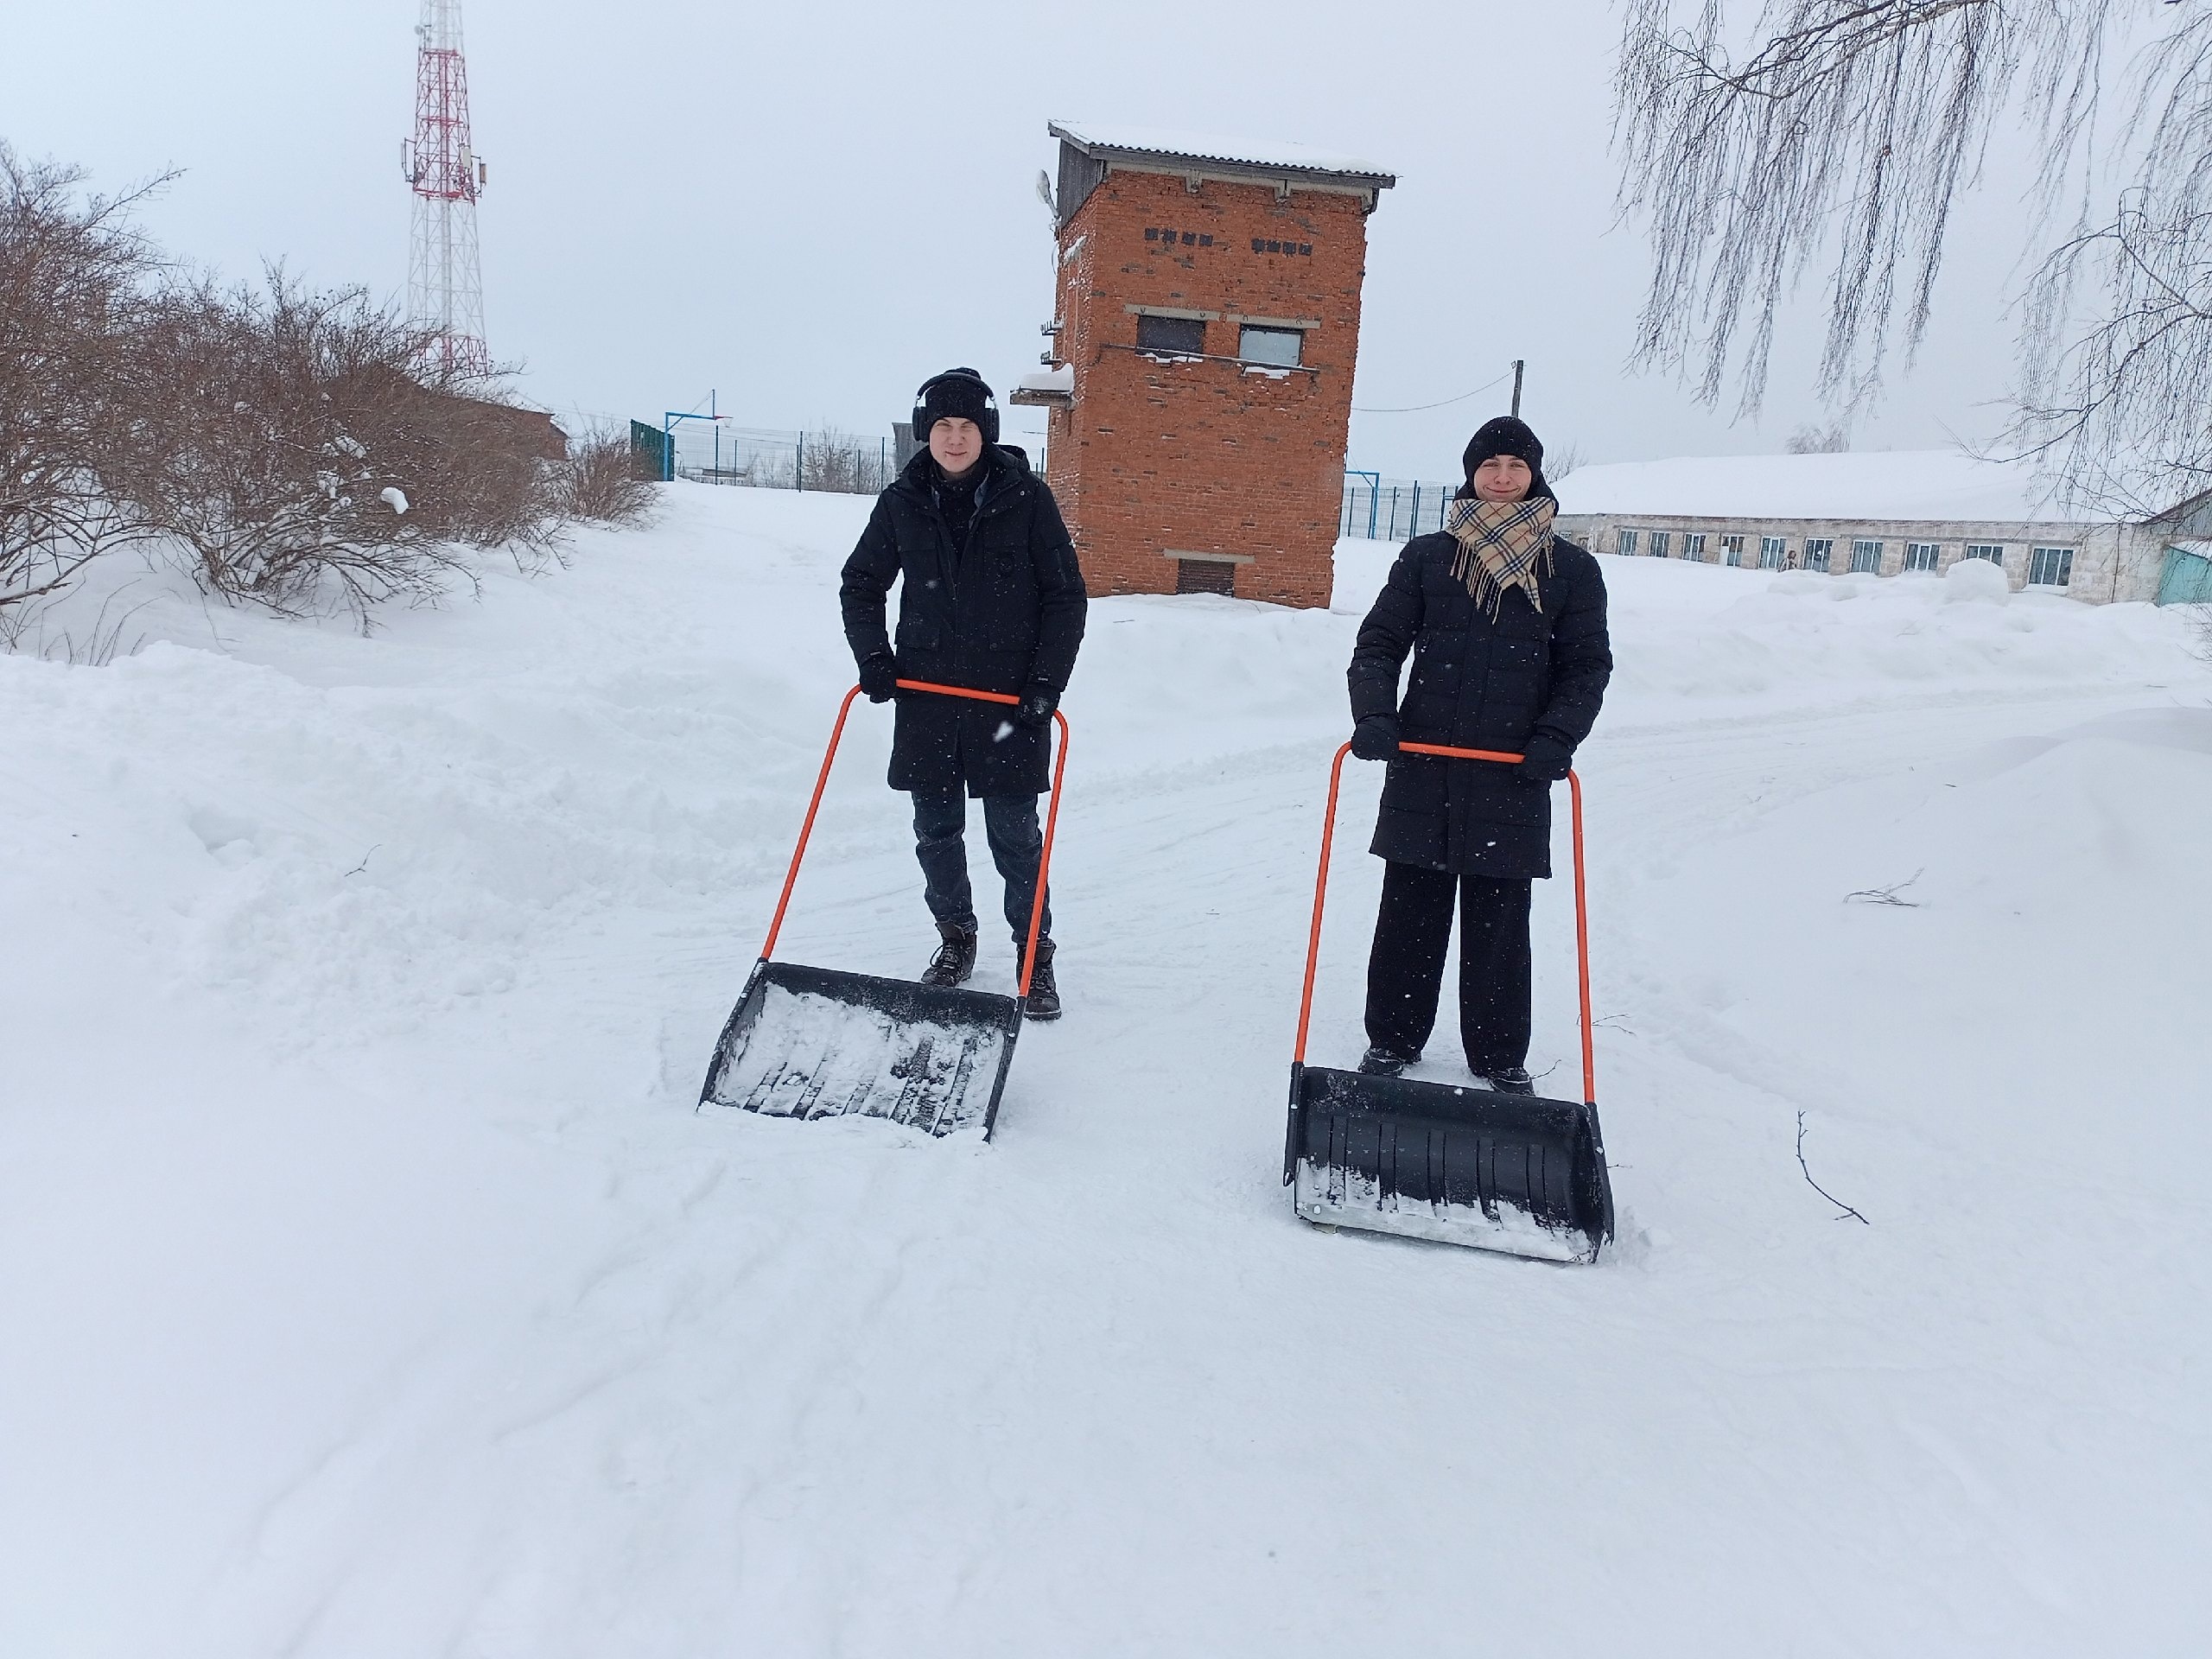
371, 1287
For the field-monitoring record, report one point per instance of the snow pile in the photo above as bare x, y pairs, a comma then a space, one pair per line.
372, 1286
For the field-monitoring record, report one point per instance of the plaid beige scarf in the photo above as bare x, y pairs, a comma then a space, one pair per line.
1502, 545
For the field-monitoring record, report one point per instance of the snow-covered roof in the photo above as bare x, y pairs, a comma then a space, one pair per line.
1926, 484
1044, 386
1167, 145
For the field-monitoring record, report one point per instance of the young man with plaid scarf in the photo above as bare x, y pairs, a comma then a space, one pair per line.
1506, 625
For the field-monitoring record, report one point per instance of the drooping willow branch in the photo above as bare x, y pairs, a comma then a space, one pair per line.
1844, 136
2121, 406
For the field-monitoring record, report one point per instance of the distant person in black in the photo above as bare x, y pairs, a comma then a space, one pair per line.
1506, 623
992, 600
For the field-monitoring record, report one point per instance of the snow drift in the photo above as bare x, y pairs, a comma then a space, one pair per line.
372, 1288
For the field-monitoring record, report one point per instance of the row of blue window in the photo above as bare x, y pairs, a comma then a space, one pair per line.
2048, 567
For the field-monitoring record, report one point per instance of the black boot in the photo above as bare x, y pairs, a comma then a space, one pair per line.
1379, 1062
1044, 999
955, 959
1509, 1080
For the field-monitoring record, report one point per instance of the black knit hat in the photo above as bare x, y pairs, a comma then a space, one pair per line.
1507, 434
961, 395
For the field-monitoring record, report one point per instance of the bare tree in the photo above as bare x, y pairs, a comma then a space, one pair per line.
1844, 132
598, 483
74, 275
836, 460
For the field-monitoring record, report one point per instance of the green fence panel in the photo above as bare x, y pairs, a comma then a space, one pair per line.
653, 451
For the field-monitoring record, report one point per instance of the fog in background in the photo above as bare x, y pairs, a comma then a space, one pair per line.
808, 208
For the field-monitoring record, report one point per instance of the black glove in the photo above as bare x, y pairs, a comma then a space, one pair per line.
1038, 702
1544, 760
1375, 738
879, 676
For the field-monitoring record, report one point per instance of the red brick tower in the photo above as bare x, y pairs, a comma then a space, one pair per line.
1206, 325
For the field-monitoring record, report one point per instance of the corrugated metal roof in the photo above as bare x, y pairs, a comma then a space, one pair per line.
1168, 144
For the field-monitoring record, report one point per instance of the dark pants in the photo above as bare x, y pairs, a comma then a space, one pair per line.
1405, 970
1016, 842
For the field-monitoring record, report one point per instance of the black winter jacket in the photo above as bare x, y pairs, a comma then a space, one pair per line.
1005, 613
1477, 684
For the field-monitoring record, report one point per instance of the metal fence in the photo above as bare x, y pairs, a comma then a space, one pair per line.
1392, 509
716, 452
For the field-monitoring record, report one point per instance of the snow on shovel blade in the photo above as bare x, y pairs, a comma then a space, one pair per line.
814, 1042
1460, 1165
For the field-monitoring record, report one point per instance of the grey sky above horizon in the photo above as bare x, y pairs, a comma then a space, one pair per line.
808, 209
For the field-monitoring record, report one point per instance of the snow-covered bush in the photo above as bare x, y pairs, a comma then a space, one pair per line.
598, 481
294, 446
73, 275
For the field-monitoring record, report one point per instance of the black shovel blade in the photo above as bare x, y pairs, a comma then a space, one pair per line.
1517, 1174
814, 1042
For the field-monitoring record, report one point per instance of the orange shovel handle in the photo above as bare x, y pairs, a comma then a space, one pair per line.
822, 782
1581, 896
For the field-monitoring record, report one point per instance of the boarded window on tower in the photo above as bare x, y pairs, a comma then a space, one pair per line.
1180, 336
1205, 576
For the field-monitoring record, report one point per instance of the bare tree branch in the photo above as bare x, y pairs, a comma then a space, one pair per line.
1847, 1211
1843, 135
2121, 407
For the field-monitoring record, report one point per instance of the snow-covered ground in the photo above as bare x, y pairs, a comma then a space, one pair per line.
370, 1288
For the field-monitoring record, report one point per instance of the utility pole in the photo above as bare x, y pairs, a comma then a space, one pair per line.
445, 285
1517, 366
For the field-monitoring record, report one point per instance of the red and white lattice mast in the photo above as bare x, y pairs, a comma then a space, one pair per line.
445, 286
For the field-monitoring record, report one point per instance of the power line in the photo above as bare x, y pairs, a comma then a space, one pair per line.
1415, 409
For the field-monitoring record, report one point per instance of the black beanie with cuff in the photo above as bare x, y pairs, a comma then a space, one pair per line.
1507, 434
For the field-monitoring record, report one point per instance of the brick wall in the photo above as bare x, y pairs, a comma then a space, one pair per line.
1158, 454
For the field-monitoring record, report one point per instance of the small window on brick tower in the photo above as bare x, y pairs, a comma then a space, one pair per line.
1278, 348
1205, 576
1185, 336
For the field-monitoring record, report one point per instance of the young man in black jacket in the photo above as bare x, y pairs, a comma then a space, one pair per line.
991, 599
1506, 623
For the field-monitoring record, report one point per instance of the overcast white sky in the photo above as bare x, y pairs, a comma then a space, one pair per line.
811, 208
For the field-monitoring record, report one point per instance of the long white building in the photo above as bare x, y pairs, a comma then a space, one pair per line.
1885, 515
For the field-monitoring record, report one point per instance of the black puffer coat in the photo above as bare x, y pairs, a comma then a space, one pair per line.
1006, 612
1478, 684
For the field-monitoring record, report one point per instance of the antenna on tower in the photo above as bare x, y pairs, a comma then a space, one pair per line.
445, 284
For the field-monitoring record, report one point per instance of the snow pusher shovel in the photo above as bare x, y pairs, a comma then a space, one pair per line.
1459, 1165
818, 1042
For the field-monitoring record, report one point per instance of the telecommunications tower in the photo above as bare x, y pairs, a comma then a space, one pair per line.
444, 288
